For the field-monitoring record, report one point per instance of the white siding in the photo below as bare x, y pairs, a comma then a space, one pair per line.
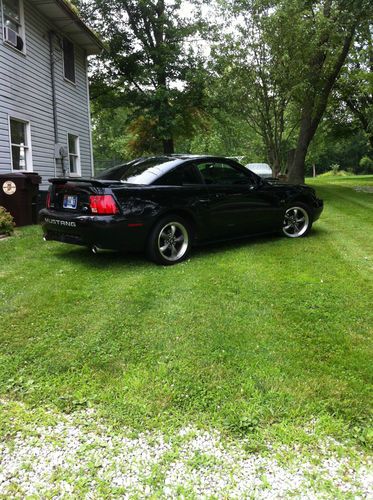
26, 90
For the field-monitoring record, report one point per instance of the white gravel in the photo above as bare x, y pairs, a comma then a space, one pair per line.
70, 460
364, 189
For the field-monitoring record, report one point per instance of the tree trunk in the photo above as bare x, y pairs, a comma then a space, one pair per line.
296, 173
168, 146
289, 160
273, 160
306, 133
276, 168
315, 104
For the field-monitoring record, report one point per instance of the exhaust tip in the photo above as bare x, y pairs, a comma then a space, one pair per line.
95, 249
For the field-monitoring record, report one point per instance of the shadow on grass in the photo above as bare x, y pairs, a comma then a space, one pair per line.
317, 232
235, 244
114, 259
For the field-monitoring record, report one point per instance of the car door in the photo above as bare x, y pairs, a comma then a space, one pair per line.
183, 188
238, 203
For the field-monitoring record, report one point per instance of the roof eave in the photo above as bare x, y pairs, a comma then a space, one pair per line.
66, 19
75, 17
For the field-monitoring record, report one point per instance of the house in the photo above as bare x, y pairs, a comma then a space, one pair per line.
44, 96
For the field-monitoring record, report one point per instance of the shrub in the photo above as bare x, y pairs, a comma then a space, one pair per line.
6, 222
366, 165
335, 168
339, 173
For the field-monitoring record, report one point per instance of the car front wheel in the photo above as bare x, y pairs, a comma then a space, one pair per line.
297, 221
170, 241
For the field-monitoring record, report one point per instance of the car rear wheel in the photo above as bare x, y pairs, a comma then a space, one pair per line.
297, 221
170, 241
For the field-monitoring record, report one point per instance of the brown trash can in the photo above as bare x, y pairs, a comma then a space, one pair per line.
19, 196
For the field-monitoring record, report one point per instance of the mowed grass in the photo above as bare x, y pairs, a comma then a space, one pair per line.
263, 337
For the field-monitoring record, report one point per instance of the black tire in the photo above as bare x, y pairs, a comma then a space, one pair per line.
170, 241
297, 221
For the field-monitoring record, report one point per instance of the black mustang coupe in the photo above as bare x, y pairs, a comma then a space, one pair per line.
165, 205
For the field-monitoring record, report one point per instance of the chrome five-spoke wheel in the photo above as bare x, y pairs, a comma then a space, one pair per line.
173, 241
296, 222
170, 240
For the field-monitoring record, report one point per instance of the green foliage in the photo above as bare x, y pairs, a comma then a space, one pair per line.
336, 142
366, 165
149, 68
335, 168
335, 172
254, 82
261, 93
295, 51
220, 133
110, 136
6, 222
353, 93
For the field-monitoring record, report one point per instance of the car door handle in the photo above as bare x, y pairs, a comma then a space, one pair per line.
220, 196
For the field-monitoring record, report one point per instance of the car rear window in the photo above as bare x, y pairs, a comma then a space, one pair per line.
142, 171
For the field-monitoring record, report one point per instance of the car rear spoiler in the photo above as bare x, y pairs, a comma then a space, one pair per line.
86, 180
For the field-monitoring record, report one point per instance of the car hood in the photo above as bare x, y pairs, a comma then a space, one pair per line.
285, 185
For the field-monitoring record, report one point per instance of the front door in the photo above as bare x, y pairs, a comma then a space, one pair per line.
238, 206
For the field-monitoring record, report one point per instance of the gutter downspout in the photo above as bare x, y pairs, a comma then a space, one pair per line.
89, 120
51, 35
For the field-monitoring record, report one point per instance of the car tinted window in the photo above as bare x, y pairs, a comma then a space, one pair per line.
143, 171
182, 175
222, 174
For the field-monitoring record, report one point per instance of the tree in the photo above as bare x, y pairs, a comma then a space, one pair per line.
109, 131
255, 81
355, 87
296, 52
319, 39
149, 64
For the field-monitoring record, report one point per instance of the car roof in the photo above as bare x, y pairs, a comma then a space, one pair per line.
168, 162
180, 158
187, 156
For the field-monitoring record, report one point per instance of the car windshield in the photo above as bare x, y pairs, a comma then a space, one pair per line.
140, 171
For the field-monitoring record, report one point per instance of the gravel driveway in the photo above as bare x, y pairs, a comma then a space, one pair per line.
76, 456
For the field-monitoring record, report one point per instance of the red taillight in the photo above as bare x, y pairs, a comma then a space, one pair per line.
103, 205
48, 200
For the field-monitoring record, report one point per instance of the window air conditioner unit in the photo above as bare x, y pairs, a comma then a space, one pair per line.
13, 38
10, 36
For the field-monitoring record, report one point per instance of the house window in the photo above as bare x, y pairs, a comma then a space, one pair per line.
68, 60
20, 143
13, 23
74, 155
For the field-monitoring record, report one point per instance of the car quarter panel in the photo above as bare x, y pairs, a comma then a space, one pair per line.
148, 203
140, 208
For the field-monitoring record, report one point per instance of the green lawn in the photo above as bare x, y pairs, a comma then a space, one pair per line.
262, 337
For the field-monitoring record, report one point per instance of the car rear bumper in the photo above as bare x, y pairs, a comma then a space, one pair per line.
112, 232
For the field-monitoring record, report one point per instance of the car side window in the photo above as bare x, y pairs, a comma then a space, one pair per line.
179, 176
222, 174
